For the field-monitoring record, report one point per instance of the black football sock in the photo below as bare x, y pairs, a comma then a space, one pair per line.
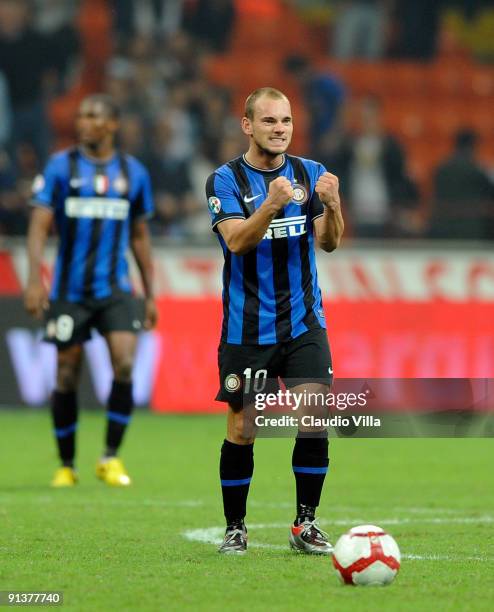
236, 469
120, 404
310, 464
64, 415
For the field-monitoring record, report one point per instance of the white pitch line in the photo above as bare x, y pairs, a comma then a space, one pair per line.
195, 503
387, 521
214, 535
184, 503
350, 521
414, 557
428, 510
192, 503
347, 509
419, 520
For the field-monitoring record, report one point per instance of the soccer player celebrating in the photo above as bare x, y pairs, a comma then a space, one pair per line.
100, 199
269, 208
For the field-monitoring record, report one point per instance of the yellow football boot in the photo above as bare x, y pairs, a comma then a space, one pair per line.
64, 477
113, 472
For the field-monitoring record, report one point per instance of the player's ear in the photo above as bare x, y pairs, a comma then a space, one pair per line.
246, 126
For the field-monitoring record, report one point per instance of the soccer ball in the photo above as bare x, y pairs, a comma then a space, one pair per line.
366, 555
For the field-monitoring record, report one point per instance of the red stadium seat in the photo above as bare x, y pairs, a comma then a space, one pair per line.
448, 78
481, 83
445, 116
404, 116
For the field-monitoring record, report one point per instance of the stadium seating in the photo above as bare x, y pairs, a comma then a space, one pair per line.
424, 104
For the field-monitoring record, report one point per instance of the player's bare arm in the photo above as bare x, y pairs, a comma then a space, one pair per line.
329, 228
141, 248
241, 236
36, 295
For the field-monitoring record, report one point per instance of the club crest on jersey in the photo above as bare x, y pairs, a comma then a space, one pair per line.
214, 204
101, 184
38, 183
120, 184
233, 383
299, 194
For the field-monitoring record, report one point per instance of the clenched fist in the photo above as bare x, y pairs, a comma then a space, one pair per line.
327, 189
280, 192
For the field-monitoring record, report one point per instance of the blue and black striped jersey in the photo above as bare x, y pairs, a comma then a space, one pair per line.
94, 205
271, 294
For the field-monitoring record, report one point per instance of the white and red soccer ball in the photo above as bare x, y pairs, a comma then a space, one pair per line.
366, 555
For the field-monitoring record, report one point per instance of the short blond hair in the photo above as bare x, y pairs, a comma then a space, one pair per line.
270, 92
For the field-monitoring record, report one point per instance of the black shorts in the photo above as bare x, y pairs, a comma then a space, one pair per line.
307, 358
69, 323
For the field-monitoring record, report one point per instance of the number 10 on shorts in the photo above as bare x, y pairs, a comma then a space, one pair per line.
259, 382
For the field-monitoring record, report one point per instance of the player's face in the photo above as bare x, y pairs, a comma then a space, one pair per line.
272, 127
94, 124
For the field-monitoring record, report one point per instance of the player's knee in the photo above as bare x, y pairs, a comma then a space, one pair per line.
241, 438
241, 431
122, 369
66, 377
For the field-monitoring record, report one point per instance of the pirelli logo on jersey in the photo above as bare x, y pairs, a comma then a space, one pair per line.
286, 228
97, 208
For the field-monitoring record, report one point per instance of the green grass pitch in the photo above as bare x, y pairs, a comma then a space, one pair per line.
146, 547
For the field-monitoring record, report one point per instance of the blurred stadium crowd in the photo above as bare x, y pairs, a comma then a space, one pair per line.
394, 96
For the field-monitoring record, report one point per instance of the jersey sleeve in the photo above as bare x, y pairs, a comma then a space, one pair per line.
142, 206
316, 207
223, 199
45, 186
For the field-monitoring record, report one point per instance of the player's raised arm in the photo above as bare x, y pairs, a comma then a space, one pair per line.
140, 244
243, 235
35, 295
329, 227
